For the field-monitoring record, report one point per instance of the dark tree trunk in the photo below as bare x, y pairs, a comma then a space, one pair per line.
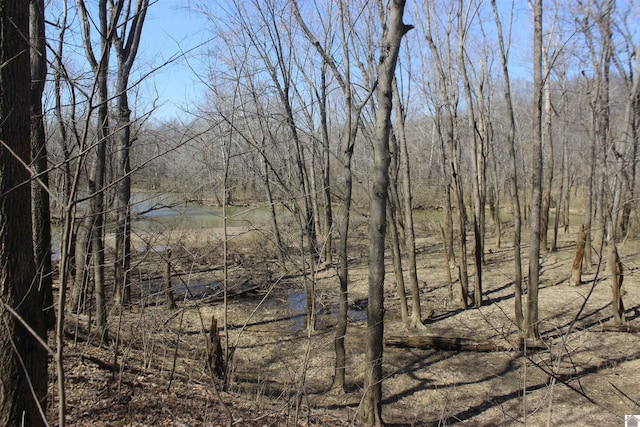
122, 262
615, 272
169, 300
97, 174
370, 410
343, 273
82, 255
126, 41
326, 173
215, 361
397, 262
41, 212
23, 361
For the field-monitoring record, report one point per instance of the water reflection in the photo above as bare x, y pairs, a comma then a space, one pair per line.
163, 211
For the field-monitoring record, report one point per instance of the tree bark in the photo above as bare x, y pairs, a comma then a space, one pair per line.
536, 178
326, 172
616, 276
370, 409
215, 361
23, 360
41, 211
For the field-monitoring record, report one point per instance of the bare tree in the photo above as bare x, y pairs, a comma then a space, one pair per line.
536, 177
343, 75
94, 223
370, 410
446, 108
407, 192
477, 143
126, 41
513, 178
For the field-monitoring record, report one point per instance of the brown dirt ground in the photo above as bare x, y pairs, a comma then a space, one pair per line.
280, 374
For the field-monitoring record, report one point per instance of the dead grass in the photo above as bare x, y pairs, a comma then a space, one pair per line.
584, 377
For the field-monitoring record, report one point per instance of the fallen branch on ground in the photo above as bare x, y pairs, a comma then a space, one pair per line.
459, 344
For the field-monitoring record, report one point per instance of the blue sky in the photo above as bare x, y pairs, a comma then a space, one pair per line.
169, 30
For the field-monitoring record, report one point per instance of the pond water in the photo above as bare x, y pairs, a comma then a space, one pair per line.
155, 211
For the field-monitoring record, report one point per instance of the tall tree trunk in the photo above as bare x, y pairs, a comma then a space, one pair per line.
397, 261
536, 178
447, 230
370, 409
513, 181
494, 196
126, 41
41, 211
310, 246
274, 218
343, 273
548, 142
23, 360
633, 137
81, 257
393, 204
122, 261
416, 308
326, 172
97, 174
478, 160
564, 174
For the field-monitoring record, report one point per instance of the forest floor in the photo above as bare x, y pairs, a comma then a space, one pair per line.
155, 372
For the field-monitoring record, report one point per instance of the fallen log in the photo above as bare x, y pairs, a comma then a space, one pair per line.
459, 344
616, 328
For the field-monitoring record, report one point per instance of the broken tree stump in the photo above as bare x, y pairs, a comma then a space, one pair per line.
215, 361
576, 269
616, 276
168, 292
